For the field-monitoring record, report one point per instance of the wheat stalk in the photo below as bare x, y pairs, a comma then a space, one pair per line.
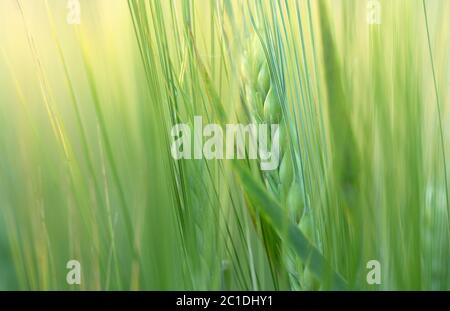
264, 106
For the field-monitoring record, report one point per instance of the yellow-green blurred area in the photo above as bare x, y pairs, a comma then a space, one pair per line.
86, 171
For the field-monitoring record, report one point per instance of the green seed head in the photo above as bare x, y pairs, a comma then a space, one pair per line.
265, 107
286, 172
255, 74
295, 201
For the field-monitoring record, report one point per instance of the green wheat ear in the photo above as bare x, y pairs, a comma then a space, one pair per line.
264, 106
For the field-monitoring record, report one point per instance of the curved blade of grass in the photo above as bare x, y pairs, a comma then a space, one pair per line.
286, 229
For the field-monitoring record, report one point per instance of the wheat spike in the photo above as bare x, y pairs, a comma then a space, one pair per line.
263, 105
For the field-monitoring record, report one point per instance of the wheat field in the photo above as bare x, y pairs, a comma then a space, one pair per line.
89, 93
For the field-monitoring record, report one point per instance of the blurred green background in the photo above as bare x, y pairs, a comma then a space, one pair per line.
86, 171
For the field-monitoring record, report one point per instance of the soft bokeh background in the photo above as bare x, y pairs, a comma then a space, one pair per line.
85, 165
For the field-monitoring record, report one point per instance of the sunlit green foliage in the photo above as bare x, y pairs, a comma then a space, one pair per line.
86, 171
